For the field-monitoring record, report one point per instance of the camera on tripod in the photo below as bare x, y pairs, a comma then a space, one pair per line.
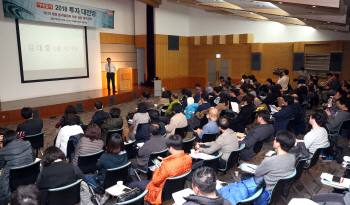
278, 71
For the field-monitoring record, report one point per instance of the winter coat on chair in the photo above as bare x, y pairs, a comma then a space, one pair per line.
236, 192
14, 154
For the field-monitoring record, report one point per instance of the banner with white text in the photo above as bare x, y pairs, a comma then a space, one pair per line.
59, 12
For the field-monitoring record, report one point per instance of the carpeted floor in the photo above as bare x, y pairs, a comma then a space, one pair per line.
322, 166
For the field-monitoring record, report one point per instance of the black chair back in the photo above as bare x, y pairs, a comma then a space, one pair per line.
87, 163
188, 145
209, 137
70, 149
279, 187
116, 174
233, 158
128, 149
213, 163
24, 175
182, 131
68, 195
37, 141
258, 146
110, 132
299, 167
173, 185
154, 155
315, 157
203, 122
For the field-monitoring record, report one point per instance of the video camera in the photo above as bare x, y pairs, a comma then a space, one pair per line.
278, 71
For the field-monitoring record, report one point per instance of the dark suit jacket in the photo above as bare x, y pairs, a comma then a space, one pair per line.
283, 116
258, 133
31, 127
99, 115
271, 97
239, 123
57, 175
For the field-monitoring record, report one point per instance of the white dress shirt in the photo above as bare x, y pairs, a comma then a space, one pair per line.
113, 68
284, 81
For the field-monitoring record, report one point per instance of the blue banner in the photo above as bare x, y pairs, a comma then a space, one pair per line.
59, 12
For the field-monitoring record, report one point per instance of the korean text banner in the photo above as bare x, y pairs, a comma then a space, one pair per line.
58, 12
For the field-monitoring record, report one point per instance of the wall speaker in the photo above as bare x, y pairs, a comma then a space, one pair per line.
134, 95
173, 43
256, 61
298, 61
335, 61
36, 114
111, 101
79, 106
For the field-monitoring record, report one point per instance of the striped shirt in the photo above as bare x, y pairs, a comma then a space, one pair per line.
316, 138
85, 146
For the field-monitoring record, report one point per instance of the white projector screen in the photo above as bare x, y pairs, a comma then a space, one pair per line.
51, 52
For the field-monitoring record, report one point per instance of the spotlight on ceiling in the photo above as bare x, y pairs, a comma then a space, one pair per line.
280, 2
313, 6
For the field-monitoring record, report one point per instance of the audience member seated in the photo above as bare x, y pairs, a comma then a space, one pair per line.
72, 128
214, 100
191, 110
115, 122
140, 117
284, 81
228, 79
242, 92
30, 126
26, 195
197, 94
178, 163
225, 143
142, 135
203, 104
310, 92
178, 120
239, 123
318, 136
278, 166
204, 187
14, 153
284, 114
115, 156
332, 88
70, 109
2, 132
261, 132
251, 90
334, 108
209, 88
188, 99
332, 199
165, 99
90, 143
156, 143
256, 86
146, 98
334, 122
211, 127
269, 82
99, 115
223, 103
226, 89
174, 100
56, 173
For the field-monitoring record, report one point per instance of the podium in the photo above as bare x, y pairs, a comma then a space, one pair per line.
123, 79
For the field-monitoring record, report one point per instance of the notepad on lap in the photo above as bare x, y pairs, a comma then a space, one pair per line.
273, 108
246, 167
234, 106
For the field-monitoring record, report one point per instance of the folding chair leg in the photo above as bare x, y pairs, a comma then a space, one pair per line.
316, 180
307, 189
233, 176
137, 175
254, 161
187, 185
284, 200
296, 191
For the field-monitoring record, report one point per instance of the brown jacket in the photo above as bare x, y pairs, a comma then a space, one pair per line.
178, 120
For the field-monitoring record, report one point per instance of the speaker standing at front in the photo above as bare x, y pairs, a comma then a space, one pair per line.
110, 69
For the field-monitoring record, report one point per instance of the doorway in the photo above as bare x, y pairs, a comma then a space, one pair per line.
217, 68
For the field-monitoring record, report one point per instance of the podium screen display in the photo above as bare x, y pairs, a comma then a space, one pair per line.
51, 51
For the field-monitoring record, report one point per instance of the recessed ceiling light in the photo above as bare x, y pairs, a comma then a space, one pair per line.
280, 2
313, 6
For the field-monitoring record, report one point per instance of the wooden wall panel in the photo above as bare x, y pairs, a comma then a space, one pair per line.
134, 77
141, 41
246, 38
317, 48
116, 38
170, 63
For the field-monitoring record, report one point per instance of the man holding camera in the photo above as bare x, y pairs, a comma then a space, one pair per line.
284, 81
